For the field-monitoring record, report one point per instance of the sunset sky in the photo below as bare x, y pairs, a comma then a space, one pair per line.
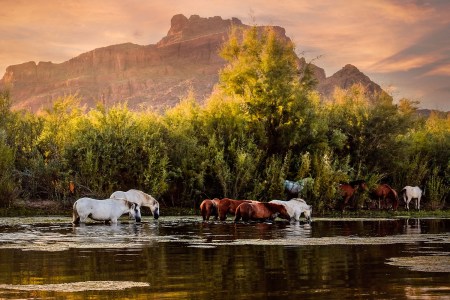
403, 45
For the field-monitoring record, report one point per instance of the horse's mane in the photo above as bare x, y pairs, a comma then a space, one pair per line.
299, 200
149, 197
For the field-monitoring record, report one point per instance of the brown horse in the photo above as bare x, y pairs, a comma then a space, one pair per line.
228, 206
208, 208
384, 194
348, 191
260, 211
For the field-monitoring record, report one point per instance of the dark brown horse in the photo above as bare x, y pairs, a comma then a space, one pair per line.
385, 196
208, 208
228, 206
348, 191
260, 211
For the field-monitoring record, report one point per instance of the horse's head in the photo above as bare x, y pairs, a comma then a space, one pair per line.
137, 212
155, 209
281, 211
308, 213
134, 212
153, 204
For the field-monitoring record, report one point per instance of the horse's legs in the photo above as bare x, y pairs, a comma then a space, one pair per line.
83, 218
75, 217
345, 202
237, 215
418, 203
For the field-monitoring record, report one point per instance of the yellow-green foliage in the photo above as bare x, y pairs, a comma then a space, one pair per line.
263, 124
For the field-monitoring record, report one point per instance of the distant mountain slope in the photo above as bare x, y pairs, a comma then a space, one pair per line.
156, 75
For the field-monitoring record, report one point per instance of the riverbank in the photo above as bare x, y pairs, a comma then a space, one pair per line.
30, 208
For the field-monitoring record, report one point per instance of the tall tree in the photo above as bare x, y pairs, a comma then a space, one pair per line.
263, 70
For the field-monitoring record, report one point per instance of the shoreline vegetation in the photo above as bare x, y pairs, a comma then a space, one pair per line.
264, 124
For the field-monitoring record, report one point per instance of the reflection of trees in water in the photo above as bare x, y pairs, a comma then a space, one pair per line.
228, 269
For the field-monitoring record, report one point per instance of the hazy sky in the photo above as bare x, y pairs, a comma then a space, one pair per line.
403, 45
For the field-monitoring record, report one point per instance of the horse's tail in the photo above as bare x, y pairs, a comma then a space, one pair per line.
237, 216
75, 215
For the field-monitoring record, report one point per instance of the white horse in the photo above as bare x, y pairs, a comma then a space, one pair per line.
104, 210
140, 198
295, 207
294, 188
412, 192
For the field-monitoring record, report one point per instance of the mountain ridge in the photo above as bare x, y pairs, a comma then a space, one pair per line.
148, 76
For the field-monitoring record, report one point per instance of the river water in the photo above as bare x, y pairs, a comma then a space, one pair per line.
185, 258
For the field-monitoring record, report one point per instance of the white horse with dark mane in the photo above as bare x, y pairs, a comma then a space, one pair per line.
412, 192
140, 198
104, 210
295, 207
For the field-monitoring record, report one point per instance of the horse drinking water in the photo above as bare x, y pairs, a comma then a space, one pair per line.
295, 207
411, 192
228, 206
140, 198
260, 211
104, 210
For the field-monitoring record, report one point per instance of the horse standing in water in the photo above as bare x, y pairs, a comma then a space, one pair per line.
382, 193
348, 191
295, 207
411, 192
140, 198
228, 206
208, 208
104, 210
260, 211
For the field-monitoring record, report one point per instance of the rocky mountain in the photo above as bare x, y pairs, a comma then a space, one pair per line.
156, 75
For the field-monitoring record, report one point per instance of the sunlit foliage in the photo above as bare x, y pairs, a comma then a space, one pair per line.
263, 124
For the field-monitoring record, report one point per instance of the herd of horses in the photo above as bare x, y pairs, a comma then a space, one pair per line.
251, 210
130, 202
119, 203
383, 196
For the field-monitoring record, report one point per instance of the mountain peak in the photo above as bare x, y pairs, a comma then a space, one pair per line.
182, 28
345, 78
155, 76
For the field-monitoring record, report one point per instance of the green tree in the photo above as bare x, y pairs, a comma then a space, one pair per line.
263, 70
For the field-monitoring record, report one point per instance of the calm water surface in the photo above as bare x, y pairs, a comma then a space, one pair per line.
184, 258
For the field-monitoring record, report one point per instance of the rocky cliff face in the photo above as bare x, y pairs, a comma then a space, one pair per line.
154, 76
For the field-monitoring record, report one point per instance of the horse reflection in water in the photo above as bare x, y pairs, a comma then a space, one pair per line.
295, 208
412, 226
108, 210
140, 198
260, 211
